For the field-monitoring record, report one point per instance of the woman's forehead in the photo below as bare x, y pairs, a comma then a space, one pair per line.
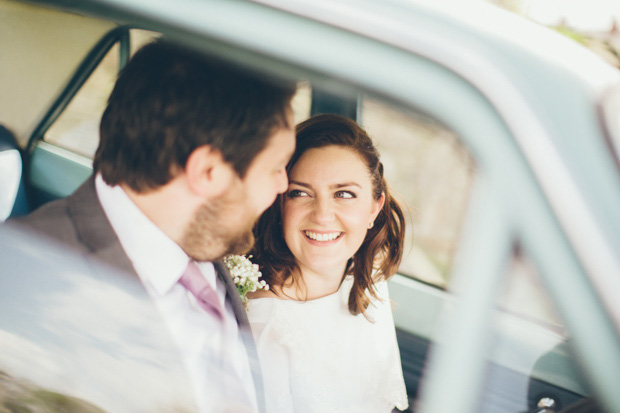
333, 164
331, 152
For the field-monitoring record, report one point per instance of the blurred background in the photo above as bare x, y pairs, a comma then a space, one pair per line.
593, 23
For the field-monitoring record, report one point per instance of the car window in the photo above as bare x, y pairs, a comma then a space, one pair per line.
530, 360
525, 295
431, 173
77, 127
302, 101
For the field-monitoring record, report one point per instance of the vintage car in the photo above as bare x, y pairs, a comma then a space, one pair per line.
501, 137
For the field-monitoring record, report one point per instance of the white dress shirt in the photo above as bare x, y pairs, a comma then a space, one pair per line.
212, 350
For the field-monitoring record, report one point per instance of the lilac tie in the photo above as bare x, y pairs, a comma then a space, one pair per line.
194, 282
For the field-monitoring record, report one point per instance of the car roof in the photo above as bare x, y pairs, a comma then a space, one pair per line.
480, 28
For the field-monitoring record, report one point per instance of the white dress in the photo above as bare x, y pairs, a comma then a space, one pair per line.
317, 357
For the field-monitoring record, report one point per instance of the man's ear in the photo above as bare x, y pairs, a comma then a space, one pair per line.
208, 174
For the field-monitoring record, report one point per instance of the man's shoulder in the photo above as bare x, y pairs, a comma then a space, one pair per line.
57, 219
45, 211
52, 219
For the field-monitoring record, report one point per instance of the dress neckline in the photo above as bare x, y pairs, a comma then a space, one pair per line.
347, 280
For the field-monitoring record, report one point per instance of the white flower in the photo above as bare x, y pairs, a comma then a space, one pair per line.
245, 275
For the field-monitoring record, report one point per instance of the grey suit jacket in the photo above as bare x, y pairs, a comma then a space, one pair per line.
80, 222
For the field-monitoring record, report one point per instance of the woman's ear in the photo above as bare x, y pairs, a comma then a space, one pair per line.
208, 174
377, 206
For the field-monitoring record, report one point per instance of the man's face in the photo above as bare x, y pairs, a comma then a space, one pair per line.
224, 225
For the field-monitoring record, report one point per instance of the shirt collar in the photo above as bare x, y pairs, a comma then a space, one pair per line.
158, 260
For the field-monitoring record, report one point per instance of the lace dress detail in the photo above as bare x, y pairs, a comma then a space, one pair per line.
318, 357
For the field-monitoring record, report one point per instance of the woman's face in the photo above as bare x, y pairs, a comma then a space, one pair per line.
327, 209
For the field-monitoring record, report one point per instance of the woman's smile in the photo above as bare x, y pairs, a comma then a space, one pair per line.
322, 237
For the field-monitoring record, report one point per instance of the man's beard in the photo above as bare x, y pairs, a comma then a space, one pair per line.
213, 233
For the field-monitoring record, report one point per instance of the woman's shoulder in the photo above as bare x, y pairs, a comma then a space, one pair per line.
260, 308
262, 294
261, 305
381, 289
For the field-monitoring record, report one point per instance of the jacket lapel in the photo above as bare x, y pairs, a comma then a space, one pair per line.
233, 297
232, 294
94, 229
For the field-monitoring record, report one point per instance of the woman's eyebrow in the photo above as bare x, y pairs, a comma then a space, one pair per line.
333, 186
305, 185
344, 185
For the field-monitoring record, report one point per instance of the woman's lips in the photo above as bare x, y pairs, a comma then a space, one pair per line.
322, 236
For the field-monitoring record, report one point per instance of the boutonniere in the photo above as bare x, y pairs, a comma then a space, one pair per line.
245, 275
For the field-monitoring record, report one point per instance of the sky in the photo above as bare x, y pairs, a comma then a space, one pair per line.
587, 15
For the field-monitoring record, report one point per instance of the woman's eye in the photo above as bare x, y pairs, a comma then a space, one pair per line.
295, 193
345, 195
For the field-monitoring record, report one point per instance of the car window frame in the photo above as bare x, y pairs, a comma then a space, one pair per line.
87, 66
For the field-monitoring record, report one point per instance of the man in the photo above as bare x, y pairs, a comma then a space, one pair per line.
192, 151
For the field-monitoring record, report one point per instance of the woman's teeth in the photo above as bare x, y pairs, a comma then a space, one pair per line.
322, 237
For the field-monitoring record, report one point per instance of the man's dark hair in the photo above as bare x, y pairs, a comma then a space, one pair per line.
168, 101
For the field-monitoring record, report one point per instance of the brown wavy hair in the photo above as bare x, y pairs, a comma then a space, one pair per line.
379, 255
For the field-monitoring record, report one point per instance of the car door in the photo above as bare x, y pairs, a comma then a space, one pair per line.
471, 135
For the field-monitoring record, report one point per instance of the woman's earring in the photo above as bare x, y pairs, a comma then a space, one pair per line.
372, 223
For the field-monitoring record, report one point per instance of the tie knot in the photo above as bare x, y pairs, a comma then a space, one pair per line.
194, 281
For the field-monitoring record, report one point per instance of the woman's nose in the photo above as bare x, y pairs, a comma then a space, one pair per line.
322, 211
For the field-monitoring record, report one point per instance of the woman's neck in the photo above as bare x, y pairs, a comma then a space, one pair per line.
314, 285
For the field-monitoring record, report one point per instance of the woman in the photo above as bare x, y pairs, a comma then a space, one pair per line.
324, 331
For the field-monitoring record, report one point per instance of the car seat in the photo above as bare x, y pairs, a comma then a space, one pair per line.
13, 200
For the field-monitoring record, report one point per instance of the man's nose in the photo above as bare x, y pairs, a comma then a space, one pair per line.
282, 183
